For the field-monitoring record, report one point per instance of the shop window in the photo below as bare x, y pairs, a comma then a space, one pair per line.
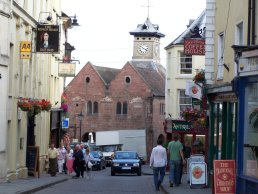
185, 63
251, 131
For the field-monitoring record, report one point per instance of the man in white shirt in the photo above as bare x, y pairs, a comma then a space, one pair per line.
158, 162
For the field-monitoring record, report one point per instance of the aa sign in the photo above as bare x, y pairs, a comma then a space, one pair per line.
25, 50
25, 46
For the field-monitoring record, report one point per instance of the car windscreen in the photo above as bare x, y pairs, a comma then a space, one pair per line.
125, 155
95, 154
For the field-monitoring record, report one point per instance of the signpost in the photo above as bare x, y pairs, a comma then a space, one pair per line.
224, 176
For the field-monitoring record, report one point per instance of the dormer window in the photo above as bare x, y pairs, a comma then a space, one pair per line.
144, 27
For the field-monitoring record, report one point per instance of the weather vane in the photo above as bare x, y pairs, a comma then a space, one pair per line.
148, 7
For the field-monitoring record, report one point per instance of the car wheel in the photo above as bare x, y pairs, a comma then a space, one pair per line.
99, 167
112, 173
139, 173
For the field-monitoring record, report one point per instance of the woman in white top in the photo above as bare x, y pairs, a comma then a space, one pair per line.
88, 158
69, 160
158, 162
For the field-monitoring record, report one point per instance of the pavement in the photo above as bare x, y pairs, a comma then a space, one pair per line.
33, 184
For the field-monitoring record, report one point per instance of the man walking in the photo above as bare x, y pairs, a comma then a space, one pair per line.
176, 157
52, 156
158, 161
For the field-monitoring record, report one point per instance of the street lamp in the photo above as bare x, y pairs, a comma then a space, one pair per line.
80, 118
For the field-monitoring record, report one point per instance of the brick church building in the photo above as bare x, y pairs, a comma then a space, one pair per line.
120, 99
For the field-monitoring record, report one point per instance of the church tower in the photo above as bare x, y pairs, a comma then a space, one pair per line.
146, 42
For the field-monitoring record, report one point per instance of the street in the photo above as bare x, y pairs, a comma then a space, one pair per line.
102, 182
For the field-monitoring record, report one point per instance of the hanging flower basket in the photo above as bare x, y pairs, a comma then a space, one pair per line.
45, 105
199, 77
24, 104
194, 116
34, 106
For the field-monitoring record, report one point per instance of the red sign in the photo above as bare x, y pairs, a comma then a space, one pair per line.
224, 176
194, 46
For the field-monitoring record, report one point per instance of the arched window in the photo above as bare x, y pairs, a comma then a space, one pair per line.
119, 108
124, 108
89, 107
95, 107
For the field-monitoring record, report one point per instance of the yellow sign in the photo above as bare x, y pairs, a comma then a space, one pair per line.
25, 55
25, 50
25, 46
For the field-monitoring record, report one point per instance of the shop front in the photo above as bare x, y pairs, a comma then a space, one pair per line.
196, 138
246, 87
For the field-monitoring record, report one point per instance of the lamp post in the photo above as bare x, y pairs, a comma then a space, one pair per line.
80, 118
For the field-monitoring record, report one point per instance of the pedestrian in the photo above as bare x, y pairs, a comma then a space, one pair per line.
69, 160
78, 158
176, 158
61, 158
88, 164
187, 150
52, 156
158, 161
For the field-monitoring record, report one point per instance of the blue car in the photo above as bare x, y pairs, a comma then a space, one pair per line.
126, 162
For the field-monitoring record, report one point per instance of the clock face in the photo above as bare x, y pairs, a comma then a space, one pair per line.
143, 48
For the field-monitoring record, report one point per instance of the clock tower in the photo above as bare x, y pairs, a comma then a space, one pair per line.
146, 42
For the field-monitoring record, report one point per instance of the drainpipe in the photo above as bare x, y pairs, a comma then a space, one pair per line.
249, 23
253, 22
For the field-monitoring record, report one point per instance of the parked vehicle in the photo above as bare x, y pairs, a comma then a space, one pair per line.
98, 160
126, 162
111, 141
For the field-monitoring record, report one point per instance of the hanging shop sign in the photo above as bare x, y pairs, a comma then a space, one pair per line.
47, 39
66, 69
224, 176
193, 46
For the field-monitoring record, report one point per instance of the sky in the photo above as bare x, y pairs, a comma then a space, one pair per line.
103, 36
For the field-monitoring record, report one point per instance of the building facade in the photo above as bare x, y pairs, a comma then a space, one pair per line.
181, 68
232, 87
29, 75
121, 99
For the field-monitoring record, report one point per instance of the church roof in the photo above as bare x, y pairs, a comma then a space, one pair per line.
198, 24
153, 74
147, 29
106, 73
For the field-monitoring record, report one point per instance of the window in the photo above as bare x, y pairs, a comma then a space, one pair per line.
89, 107
95, 107
162, 109
87, 80
221, 42
184, 101
92, 108
121, 109
127, 79
185, 63
250, 156
124, 108
239, 39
